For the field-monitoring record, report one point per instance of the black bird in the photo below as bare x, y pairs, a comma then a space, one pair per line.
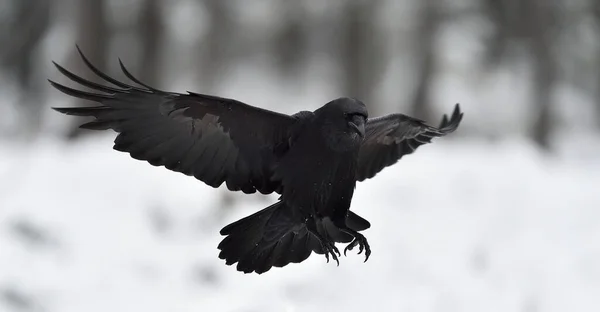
312, 159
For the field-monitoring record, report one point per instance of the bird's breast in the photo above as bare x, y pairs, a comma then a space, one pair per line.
316, 178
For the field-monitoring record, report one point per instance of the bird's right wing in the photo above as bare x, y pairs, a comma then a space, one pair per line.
390, 137
213, 139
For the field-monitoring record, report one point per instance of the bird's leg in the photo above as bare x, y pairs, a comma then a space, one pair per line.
359, 240
327, 245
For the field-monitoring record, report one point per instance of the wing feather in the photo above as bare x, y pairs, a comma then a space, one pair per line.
214, 139
389, 138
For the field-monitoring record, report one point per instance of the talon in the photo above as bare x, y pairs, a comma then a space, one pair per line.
362, 244
333, 250
350, 246
337, 251
329, 248
367, 251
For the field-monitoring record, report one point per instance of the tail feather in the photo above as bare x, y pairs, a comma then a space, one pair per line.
357, 222
274, 236
277, 236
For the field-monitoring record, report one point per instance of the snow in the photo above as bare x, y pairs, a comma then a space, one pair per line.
458, 226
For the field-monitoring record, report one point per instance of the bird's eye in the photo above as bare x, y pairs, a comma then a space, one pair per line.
350, 116
355, 117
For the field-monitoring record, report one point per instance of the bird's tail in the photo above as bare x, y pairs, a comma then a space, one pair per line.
274, 236
278, 235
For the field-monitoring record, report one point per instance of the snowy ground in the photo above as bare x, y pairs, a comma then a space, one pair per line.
459, 226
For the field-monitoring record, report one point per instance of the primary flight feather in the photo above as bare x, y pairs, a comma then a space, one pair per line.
313, 159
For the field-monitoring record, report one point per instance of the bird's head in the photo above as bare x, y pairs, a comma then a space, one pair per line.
344, 120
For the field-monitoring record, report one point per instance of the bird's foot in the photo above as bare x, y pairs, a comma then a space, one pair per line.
328, 246
330, 249
363, 245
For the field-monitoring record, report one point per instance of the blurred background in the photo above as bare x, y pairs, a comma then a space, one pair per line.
503, 215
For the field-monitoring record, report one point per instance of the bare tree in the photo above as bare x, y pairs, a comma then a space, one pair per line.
93, 39
290, 42
596, 12
427, 28
150, 28
362, 51
531, 24
214, 46
19, 54
502, 17
539, 17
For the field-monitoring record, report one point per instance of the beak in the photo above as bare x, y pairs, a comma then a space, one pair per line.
360, 129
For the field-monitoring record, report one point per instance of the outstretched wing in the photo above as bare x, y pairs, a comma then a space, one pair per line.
213, 139
390, 137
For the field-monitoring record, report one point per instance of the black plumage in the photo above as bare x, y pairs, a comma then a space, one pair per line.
313, 159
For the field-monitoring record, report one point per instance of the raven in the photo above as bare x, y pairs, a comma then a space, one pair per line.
312, 159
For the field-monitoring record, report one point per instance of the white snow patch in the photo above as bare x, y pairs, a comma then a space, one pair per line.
458, 226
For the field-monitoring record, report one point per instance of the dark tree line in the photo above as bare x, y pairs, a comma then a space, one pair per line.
358, 46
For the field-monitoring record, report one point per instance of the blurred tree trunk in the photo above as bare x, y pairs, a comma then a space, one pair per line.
150, 28
530, 24
290, 42
213, 48
499, 14
596, 12
538, 16
362, 52
429, 21
93, 39
19, 54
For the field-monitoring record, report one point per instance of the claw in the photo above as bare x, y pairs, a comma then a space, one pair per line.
329, 248
350, 246
337, 251
333, 251
362, 244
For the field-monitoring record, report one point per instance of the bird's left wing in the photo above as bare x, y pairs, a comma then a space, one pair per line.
390, 137
213, 139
